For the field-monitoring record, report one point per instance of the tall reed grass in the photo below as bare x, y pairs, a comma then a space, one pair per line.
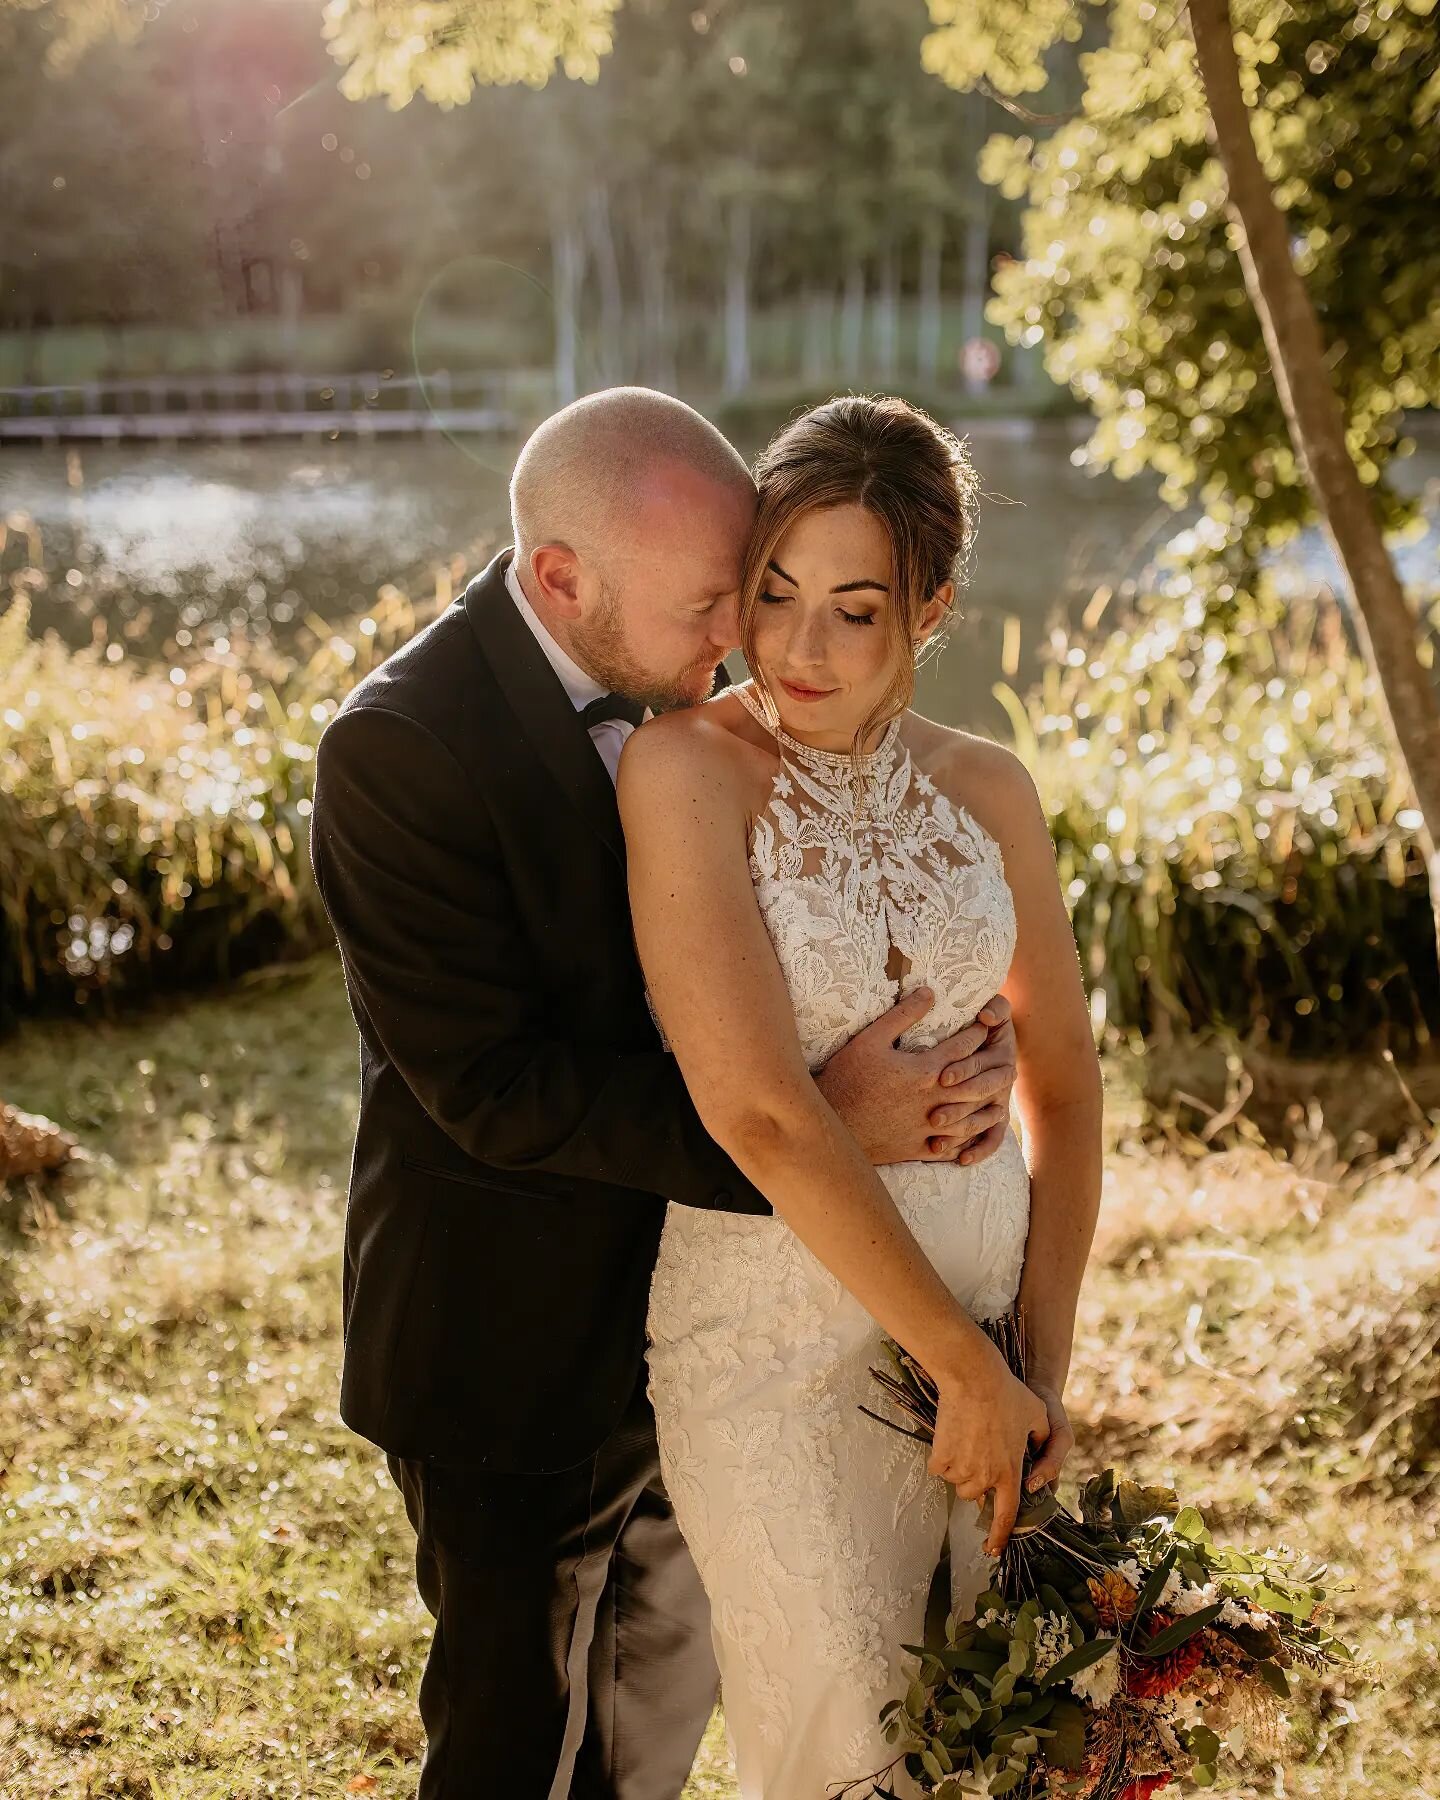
1235, 839
153, 822
1235, 842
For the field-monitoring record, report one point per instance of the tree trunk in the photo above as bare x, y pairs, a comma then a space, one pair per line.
612, 297
567, 257
927, 335
887, 315
1384, 623
654, 247
737, 296
816, 360
852, 322
975, 257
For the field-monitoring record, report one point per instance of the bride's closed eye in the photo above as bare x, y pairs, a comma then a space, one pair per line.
850, 618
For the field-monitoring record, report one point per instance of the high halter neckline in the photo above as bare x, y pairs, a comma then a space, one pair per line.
841, 762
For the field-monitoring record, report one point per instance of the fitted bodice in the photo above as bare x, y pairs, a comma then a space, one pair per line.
872, 883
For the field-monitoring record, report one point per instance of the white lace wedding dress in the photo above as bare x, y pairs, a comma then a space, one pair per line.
816, 1531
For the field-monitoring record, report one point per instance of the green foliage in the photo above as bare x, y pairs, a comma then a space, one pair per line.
222, 142
153, 830
443, 48
1236, 845
1002, 42
1235, 849
1128, 276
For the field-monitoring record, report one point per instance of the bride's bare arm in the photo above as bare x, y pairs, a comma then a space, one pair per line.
1058, 1088
724, 1005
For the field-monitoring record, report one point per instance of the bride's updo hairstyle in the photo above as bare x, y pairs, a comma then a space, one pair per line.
917, 478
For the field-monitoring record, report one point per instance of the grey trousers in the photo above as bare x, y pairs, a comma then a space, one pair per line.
571, 1658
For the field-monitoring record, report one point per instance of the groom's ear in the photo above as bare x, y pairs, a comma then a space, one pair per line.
556, 569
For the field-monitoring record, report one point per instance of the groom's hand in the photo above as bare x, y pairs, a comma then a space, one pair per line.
971, 1123
925, 1105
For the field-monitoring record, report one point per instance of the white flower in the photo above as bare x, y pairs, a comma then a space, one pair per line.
1132, 1572
991, 1616
977, 1780
1171, 1590
1052, 1640
1190, 1599
1097, 1683
1166, 1713
1233, 1614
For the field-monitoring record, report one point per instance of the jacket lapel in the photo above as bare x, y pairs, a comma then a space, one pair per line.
544, 717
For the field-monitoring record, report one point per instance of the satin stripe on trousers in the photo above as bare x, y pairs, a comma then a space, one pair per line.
571, 1658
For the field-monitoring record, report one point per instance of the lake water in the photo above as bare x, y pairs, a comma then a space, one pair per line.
175, 546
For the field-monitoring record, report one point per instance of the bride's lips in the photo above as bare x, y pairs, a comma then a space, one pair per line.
797, 692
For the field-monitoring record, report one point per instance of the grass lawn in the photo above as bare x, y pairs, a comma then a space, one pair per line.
205, 1580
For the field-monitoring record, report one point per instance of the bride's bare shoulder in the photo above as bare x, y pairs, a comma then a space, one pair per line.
718, 746
987, 780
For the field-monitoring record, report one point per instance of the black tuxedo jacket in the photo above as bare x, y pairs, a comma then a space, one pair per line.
520, 1126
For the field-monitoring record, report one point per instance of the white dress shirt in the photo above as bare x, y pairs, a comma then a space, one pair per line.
609, 735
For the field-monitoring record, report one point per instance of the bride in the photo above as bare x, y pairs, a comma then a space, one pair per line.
803, 850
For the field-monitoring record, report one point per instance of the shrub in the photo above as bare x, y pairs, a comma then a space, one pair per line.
153, 823
1234, 839
1236, 846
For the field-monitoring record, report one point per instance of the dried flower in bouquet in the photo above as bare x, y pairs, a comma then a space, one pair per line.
1119, 1649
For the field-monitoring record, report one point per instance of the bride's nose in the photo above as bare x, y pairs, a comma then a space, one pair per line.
807, 639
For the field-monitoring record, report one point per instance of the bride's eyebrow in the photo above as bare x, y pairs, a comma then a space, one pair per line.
845, 587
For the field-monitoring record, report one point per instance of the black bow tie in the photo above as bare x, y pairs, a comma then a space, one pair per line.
612, 706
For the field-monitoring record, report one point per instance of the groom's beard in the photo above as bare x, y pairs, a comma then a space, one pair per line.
601, 647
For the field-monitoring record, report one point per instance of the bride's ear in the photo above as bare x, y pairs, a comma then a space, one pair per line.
936, 611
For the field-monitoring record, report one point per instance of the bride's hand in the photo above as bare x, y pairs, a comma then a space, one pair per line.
985, 1421
1058, 1445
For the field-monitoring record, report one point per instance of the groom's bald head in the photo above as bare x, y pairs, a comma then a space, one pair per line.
592, 472
631, 517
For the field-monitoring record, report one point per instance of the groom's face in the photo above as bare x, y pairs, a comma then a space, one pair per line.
663, 613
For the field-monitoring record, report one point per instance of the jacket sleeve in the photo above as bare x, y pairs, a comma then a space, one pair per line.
436, 964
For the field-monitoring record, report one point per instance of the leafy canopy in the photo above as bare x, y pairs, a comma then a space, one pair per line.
1129, 281
442, 48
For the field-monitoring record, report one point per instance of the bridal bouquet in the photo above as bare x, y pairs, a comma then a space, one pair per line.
1118, 1650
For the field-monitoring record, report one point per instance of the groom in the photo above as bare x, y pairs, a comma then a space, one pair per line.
520, 1128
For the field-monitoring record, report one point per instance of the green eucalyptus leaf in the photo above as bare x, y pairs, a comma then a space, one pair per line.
1073, 1661
1190, 1523
1155, 1582
1274, 1677
1203, 1744
1066, 1748
1174, 1635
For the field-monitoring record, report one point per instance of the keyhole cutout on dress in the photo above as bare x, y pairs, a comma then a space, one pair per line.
897, 966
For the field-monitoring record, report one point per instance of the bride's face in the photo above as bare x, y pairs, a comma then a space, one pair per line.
822, 635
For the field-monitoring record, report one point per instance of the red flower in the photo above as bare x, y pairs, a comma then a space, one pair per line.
1144, 1787
1149, 1677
